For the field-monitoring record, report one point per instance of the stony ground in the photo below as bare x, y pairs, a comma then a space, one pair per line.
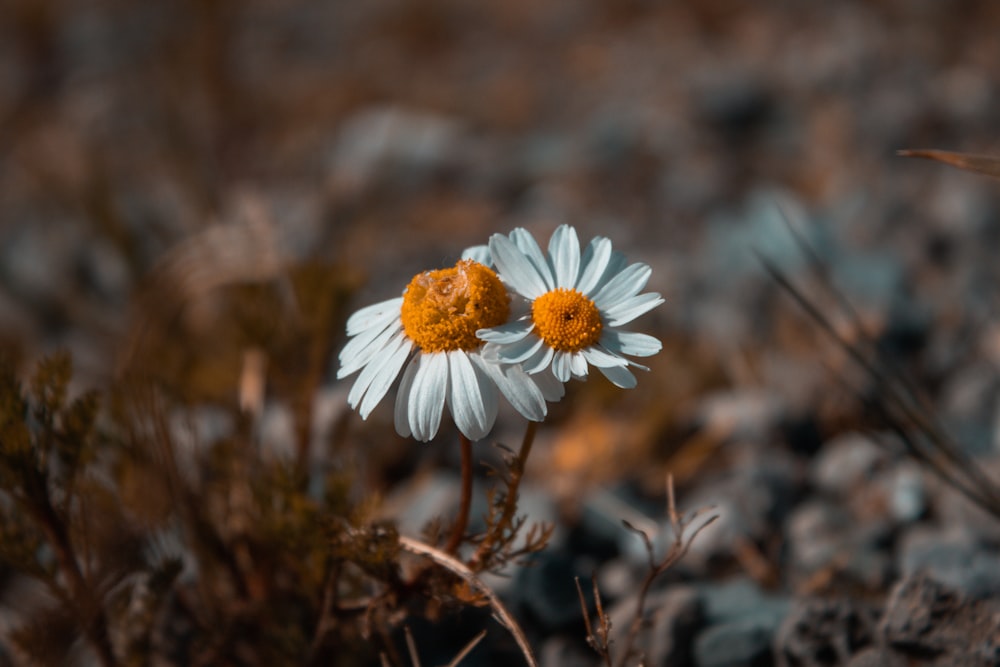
386, 136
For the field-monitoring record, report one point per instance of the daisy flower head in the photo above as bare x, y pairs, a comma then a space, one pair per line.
577, 304
429, 335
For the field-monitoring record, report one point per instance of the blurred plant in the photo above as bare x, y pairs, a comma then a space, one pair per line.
159, 530
684, 528
890, 396
46, 445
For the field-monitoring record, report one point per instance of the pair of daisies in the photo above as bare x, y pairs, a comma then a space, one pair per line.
507, 319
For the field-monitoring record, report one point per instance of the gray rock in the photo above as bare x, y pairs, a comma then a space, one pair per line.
820, 534
739, 599
878, 657
846, 461
818, 632
953, 557
926, 620
751, 502
742, 643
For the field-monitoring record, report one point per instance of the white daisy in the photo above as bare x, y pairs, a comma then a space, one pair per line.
431, 330
577, 304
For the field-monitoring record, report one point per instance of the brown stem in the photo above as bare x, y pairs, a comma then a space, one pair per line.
89, 608
510, 506
500, 612
462, 521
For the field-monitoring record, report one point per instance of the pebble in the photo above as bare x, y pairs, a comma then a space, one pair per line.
954, 557
742, 643
819, 632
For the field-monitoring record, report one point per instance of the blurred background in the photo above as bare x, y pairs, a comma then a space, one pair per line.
194, 186
152, 153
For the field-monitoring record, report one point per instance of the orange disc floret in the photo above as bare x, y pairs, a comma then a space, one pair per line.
443, 309
566, 320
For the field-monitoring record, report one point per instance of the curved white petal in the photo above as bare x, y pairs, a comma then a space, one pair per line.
373, 315
630, 342
600, 357
629, 309
400, 413
516, 353
564, 251
620, 377
427, 395
386, 374
372, 370
479, 253
515, 268
560, 365
593, 264
626, 284
578, 364
520, 389
465, 398
363, 348
506, 333
551, 388
538, 361
526, 243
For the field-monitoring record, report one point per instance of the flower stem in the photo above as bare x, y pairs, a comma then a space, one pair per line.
462, 521
510, 504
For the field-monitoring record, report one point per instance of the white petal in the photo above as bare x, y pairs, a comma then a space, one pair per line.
426, 402
373, 370
515, 268
620, 377
516, 353
560, 365
387, 373
626, 284
523, 239
373, 315
464, 397
578, 364
539, 360
479, 253
629, 342
363, 348
564, 251
506, 333
601, 358
551, 388
400, 414
594, 262
518, 388
629, 309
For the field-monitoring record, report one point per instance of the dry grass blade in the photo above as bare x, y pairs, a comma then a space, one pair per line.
979, 164
468, 649
455, 566
896, 401
411, 647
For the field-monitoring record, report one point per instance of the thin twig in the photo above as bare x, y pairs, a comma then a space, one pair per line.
599, 640
677, 551
460, 569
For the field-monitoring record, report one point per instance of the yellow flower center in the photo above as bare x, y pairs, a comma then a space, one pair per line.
566, 320
443, 309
